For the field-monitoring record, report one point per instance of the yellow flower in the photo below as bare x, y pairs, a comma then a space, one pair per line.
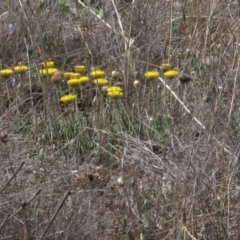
20, 69
97, 73
115, 94
68, 98
100, 81
171, 74
75, 75
75, 82
47, 71
84, 79
67, 75
151, 74
165, 67
80, 69
114, 88
48, 64
6, 72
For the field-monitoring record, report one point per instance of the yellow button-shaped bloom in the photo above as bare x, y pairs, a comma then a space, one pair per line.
75, 75
100, 81
75, 82
20, 69
6, 72
97, 73
48, 64
47, 71
80, 69
114, 88
151, 74
68, 98
115, 94
171, 74
165, 67
84, 79
67, 75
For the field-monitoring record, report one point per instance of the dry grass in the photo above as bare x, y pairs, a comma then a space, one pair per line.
160, 163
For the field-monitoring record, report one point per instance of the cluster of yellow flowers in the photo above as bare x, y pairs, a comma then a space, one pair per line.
49, 70
79, 78
167, 70
8, 72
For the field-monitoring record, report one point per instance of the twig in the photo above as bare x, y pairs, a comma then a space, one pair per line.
4, 221
26, 203
189, 234
89, 51
3, 14
19, 168
55, 214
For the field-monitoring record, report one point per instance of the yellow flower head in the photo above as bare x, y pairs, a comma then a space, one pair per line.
75, 82
67, 75
97, 74
20, 69
68, 98
80, 69
6, 72
75, 75
114, 92
171, 74
47, 71
114, 88
84, 79
100, 81
48, 64
165, 67
151, 74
